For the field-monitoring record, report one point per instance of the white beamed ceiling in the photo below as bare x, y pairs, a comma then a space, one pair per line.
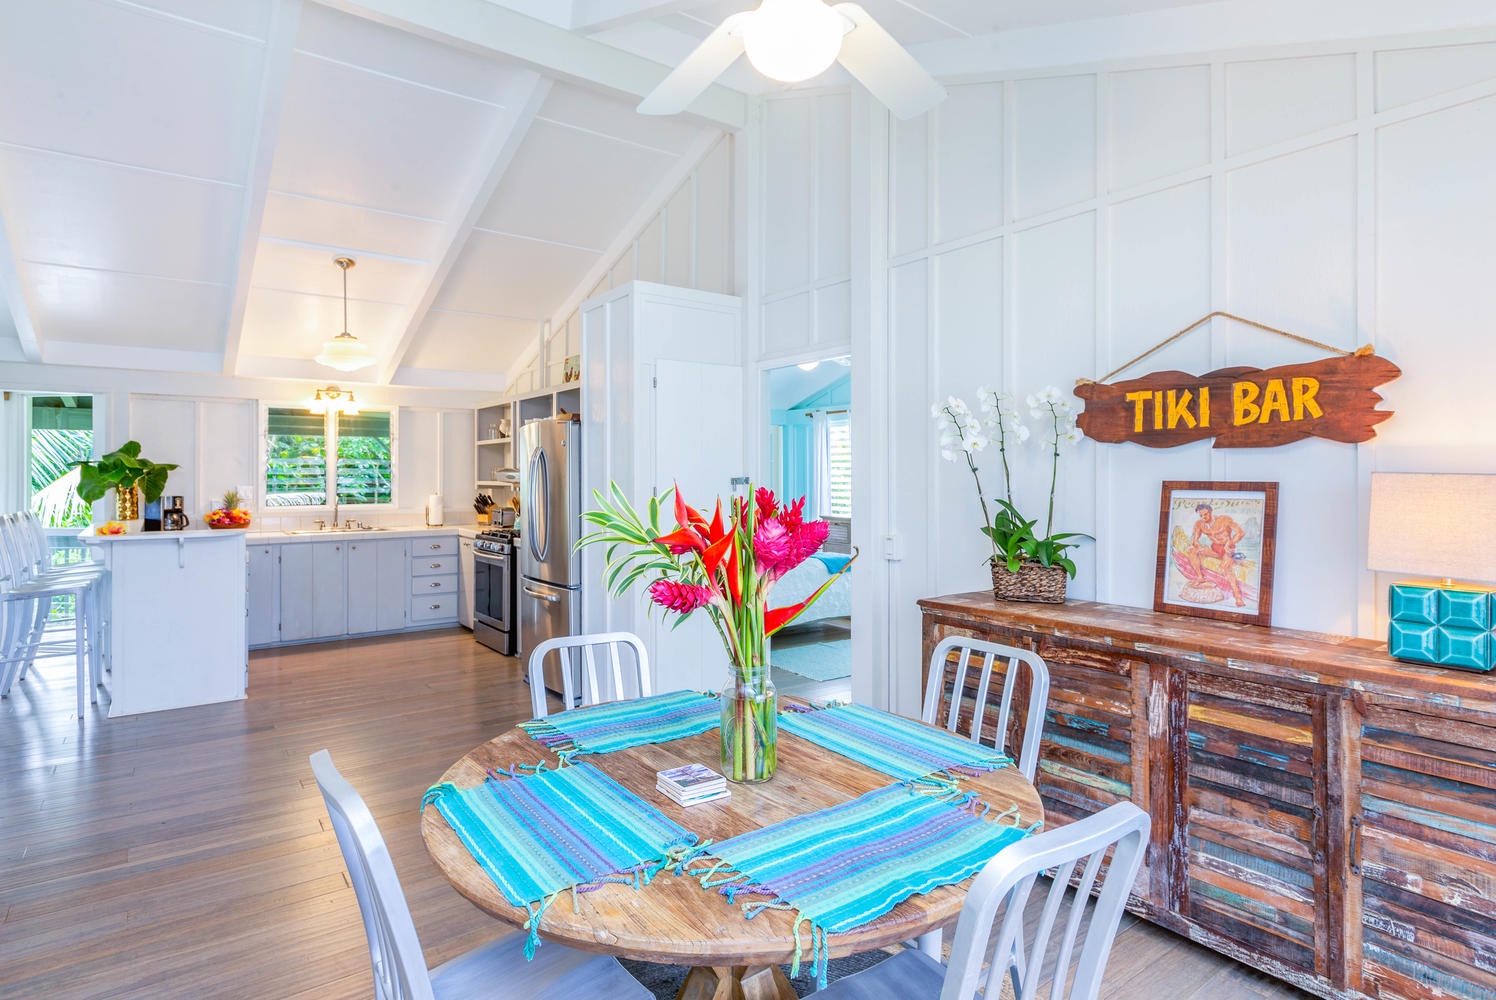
176, 176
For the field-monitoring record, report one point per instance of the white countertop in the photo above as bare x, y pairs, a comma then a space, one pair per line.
88, 536
262, 537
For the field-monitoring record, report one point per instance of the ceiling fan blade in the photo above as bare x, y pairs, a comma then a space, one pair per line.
884, 66
705, 63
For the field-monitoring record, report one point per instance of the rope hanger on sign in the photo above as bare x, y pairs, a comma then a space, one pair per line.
1359, 352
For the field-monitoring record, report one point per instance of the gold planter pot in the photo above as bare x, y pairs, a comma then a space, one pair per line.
127, 504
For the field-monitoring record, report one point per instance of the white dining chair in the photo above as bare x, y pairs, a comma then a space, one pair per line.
623, 672
1001, 891
981, 655
496, 969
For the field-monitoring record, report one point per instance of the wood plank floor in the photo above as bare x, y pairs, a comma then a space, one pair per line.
187, 853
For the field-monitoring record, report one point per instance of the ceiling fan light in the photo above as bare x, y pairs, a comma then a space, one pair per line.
793, 40
345, 352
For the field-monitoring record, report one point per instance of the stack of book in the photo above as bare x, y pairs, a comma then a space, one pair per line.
692, 784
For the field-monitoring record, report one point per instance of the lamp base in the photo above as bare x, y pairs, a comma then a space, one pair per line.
1442, 626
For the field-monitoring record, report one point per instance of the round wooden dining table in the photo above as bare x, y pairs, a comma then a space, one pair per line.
674, 920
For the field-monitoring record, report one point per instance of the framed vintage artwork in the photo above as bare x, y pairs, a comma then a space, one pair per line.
1215, 551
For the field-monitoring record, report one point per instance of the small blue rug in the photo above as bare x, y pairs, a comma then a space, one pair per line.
821, 661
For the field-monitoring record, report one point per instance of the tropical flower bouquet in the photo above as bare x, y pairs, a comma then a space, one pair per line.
1025, 565
726, 566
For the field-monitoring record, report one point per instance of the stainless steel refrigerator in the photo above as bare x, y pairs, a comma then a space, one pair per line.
550, 569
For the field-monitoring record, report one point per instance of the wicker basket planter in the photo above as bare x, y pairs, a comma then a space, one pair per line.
1033, 582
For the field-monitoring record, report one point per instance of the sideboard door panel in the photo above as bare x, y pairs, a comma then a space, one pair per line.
1426, 850
1251, 871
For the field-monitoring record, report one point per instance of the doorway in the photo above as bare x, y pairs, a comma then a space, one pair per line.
809, 453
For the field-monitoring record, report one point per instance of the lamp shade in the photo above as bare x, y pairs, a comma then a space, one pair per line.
793, 40
1434, 525
346, 353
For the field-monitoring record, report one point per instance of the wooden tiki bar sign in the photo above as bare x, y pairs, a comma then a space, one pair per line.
1242, 407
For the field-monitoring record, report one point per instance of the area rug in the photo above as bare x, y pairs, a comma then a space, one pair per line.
820, 661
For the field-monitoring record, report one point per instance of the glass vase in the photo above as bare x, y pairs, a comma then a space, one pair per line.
750, 719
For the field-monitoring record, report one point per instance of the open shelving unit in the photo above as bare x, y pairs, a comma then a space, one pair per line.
496, 450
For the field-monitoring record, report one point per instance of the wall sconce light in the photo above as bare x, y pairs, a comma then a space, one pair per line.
334, 399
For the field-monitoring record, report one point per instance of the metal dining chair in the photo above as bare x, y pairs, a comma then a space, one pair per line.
622, 674
982, 656
496, 969
1001, 891
987, 655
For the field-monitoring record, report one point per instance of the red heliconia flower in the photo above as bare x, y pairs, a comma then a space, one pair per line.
679, 597
772, 546
768, 504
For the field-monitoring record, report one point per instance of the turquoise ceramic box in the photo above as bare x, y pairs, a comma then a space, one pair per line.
1442, 626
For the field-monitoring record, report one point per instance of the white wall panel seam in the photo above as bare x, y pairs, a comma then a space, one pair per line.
1365, 608
1220, 243
1102, 582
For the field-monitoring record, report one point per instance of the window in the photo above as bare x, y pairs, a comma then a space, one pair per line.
61, 432
298, 444
839, 465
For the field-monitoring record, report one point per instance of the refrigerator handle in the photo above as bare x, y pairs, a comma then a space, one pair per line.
552, 598
537, 504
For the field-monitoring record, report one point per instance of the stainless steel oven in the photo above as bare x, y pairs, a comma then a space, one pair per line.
494, 582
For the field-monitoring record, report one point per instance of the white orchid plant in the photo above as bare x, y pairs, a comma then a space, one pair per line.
963, 434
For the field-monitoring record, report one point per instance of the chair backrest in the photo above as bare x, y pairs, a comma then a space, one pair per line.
626, 676
399, 966
987, 653
1004, 886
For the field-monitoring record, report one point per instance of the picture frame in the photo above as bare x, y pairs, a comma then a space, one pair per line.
1216, 548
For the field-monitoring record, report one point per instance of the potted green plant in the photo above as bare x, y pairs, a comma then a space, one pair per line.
1026, 566
129, 475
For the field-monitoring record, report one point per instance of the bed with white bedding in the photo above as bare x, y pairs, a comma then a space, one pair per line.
800, 582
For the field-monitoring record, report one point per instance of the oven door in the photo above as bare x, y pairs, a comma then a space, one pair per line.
493, 600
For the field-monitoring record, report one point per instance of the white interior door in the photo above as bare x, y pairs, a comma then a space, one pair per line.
698, 443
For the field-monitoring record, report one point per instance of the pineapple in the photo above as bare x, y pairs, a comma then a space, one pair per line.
230, 500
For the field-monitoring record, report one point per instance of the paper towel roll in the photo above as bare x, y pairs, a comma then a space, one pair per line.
434, 510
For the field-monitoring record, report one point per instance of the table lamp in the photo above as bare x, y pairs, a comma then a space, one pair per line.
1440, 526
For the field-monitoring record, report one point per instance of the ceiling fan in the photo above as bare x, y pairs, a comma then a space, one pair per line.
794, 40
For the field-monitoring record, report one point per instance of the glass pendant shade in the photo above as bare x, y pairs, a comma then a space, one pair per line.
345, 352
793, 40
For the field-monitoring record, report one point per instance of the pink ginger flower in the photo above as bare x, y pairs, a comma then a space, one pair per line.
771, 548
682, 598
768, 506
804, 541
793, 515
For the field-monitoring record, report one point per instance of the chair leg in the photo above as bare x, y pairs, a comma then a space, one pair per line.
80, 656
930, 943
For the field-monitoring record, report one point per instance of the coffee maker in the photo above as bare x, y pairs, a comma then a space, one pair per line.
173, 516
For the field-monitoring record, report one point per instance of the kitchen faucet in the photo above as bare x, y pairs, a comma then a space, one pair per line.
335, 508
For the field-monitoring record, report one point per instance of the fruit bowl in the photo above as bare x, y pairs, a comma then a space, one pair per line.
227, 518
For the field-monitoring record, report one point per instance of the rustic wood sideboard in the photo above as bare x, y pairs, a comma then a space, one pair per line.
1320, 811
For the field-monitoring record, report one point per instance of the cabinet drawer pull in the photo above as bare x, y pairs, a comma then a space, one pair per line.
1353, 850
436, 546
435, 585
436, 607
436, 565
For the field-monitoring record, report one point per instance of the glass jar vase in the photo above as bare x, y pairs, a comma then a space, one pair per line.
750, 720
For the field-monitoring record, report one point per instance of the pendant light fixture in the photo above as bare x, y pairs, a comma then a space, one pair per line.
345, 352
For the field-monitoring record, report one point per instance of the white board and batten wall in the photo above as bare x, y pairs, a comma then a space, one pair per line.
662, 392
1036, 228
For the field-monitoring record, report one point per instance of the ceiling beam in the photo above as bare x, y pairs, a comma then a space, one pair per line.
485, 27
599, 15
521, 104
280, 45
12, 296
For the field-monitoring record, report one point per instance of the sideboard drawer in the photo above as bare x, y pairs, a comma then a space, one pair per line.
433, 565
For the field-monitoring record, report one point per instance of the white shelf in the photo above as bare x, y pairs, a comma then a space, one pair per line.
496, 441
498, 482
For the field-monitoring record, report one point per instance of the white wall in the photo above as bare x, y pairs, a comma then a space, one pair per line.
683, 236
210, 426
1043, 227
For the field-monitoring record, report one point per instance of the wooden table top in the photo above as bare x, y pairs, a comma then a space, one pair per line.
674, 920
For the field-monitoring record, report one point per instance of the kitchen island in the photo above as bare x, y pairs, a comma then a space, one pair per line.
176, 618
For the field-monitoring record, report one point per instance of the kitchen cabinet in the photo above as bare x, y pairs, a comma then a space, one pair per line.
1321, 811
465, 571
313, 591
661, 374
262, 599
376, 585
434, 579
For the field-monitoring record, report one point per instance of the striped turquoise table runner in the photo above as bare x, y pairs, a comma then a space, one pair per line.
899, 747
615, 726
846, 865
538, 835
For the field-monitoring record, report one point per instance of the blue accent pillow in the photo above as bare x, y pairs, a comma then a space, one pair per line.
834, 562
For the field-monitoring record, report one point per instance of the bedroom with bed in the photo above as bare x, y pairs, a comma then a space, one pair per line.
810, 455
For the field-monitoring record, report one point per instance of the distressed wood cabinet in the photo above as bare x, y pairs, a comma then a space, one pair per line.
1320, 811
